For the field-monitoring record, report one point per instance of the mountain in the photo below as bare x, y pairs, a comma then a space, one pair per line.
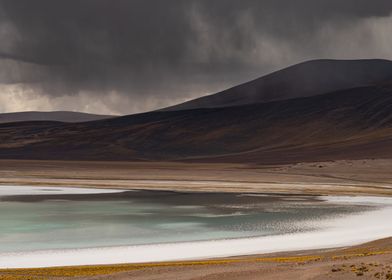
352, 123
59, 116
305, 79
347, 124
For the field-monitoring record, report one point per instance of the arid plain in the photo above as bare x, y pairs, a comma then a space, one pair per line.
368, 177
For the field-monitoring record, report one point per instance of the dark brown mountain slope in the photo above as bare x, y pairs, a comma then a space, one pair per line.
353, 123
305, 79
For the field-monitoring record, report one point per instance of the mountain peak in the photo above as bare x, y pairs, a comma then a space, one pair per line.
309, 78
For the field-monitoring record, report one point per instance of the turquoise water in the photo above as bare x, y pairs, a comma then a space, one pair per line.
59, 221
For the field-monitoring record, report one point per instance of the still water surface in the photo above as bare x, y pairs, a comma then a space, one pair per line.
54, 218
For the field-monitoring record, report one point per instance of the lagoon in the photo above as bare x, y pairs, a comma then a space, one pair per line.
49, 226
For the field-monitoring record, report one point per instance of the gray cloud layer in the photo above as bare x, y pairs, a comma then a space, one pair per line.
126, 56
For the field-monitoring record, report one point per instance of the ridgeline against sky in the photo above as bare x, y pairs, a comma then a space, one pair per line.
127, 56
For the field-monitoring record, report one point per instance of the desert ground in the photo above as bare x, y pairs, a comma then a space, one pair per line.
345, 177
354, 177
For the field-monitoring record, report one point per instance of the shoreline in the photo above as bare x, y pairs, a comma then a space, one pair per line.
342, 263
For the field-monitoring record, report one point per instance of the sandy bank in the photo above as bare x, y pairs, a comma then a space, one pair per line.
372, 177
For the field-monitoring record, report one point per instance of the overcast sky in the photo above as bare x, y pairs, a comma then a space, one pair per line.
128, 56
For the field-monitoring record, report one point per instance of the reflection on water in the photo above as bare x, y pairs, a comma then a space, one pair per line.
57, 221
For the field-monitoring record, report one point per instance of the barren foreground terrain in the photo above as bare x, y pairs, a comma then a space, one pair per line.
368, 261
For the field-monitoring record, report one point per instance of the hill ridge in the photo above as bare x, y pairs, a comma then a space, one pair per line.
59, 116
296, 81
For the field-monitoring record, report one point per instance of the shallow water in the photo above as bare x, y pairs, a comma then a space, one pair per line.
42, 220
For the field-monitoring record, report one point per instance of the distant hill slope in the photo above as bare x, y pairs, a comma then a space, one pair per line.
305, 79
60, 116
348, 124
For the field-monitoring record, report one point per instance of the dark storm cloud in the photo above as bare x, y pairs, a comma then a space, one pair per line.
157, 52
